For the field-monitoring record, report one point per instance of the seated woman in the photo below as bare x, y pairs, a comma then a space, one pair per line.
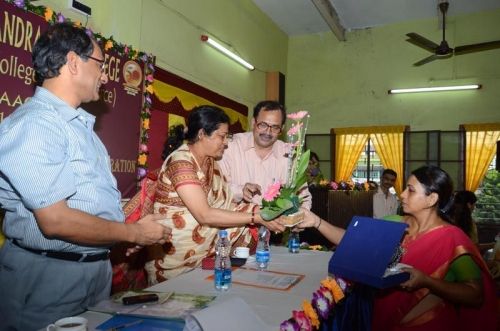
314, 175
195, 198
449, 286
463, 206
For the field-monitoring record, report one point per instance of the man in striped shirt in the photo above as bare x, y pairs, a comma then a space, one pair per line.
61, 200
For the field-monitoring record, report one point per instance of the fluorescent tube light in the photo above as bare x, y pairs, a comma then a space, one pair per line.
435, 89
226, 52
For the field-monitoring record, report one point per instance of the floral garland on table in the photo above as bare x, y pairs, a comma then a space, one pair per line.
347, 185
123, 50
320, 309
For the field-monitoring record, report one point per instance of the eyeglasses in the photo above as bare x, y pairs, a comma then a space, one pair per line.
226, 136
102, 62
263, 126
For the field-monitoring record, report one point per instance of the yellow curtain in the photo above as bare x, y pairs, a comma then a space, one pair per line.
347, 151
388, 143
480, 147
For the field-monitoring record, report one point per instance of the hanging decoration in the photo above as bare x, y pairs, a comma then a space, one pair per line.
109, 44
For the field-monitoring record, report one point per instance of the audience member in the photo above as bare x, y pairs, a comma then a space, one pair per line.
314, 175
384, 202
464, 204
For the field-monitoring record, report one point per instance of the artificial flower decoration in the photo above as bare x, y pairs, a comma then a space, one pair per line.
347, 185
60, 18
302, 320
142, 159
327, 294
48, 14
289, 325
321, 305
320, 310
310, 313
282, 198
108, 45
150, 89
334, 287
19, 3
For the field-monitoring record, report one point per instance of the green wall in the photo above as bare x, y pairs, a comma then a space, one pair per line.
342, 84
171, 30
345, 84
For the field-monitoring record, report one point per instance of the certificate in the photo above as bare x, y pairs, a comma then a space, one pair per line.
275, 280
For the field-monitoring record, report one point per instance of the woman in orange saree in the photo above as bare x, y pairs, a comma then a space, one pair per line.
196, 201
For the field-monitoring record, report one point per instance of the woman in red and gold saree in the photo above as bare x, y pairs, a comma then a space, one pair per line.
196, 201
450, 287
439, 254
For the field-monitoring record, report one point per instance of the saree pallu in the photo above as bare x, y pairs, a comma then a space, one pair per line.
433, 252
191, 241
128, 271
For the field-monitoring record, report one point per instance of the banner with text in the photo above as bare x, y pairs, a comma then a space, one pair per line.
117, 111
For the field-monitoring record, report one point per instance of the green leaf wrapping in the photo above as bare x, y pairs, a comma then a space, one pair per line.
271, 212
284, 203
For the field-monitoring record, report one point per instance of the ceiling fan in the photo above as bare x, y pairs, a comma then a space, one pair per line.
443, 50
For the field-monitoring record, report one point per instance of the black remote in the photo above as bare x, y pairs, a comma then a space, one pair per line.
142, 298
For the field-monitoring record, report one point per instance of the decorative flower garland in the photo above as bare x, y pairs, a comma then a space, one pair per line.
320, 309
123, 50
346, 185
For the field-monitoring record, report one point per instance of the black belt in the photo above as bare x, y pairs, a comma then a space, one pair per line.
67, 256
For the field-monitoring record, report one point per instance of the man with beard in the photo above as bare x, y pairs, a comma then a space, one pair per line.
255, 160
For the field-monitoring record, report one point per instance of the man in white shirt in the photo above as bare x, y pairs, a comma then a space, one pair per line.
254, 160
384, 202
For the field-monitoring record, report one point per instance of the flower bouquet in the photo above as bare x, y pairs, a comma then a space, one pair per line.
282, 198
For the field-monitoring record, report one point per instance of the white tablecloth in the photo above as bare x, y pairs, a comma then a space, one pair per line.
272, 306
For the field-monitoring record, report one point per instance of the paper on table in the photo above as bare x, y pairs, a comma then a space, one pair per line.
231, 314
275, 280
176, 306
267, 279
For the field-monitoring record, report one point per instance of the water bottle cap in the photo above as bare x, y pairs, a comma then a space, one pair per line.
223, 233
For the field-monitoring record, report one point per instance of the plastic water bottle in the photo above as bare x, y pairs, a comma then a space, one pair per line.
222, 267
262, 254
294, 242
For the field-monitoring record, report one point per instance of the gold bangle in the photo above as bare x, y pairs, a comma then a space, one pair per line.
319, 224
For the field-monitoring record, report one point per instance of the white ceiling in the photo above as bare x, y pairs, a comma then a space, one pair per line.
297, 17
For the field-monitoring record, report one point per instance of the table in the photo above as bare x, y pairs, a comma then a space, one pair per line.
272, 306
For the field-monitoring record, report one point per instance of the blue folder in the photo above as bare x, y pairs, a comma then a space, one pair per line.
134, 323
366, 250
